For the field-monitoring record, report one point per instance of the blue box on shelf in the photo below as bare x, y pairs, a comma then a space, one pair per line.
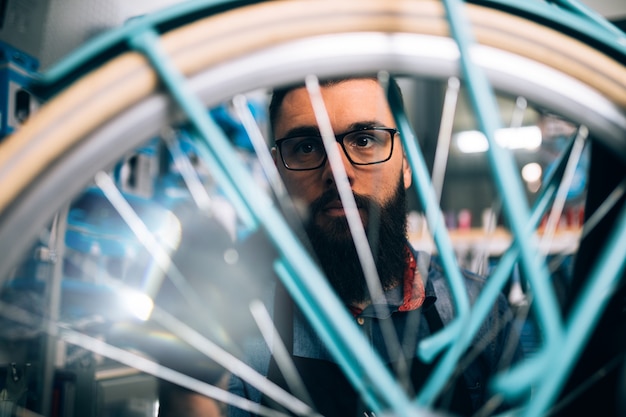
17, 71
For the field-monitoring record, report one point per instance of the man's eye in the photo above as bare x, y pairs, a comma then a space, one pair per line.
365, 140
307, 146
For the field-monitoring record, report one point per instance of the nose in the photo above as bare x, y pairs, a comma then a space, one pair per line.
328, 177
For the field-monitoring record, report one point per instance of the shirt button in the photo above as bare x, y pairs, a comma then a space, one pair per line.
360, 320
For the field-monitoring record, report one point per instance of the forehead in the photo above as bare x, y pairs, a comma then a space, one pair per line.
347, 103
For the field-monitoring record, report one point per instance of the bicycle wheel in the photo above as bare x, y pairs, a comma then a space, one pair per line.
88, 149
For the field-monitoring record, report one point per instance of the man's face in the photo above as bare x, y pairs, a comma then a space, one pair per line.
350, 104
378, 189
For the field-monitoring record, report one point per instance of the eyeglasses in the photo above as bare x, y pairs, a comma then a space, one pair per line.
365, 146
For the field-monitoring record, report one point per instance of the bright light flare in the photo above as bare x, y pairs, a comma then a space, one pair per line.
473, 141
137, 303
532, 172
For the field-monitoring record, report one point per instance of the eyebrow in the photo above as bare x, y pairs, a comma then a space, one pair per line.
302, 131
314, 130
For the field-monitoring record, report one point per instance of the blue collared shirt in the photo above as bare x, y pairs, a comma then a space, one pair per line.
306, 344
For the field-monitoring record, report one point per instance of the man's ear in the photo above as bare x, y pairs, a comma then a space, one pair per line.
407, 173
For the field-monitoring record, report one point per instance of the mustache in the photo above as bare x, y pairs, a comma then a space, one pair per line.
332, 195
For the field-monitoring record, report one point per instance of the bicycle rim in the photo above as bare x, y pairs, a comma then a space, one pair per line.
86, 130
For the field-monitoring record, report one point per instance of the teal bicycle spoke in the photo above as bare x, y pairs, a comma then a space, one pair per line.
220, 154
313, 291
568, 13
547, 305
376, 386
518, 382
428, 198
429, 201
506, 179
110, 43
601, 284
590, 15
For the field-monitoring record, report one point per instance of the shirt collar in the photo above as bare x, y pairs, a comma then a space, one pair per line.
410, 296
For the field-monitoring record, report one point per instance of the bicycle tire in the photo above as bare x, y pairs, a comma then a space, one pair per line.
526, 38
70, 133
23, 162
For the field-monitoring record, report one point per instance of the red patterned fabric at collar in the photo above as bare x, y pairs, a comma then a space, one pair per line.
414, 293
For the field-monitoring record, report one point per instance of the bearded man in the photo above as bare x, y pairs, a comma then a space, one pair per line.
414, 294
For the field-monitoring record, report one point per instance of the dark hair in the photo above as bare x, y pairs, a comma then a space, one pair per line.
278, 95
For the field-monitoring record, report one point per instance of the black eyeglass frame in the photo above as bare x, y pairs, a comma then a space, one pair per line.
339, 138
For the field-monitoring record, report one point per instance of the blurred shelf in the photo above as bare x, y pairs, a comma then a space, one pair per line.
478, 241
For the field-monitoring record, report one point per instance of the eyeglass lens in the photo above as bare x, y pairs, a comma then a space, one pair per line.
363, 147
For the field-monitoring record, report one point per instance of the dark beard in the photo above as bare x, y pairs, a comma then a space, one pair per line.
336, 253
